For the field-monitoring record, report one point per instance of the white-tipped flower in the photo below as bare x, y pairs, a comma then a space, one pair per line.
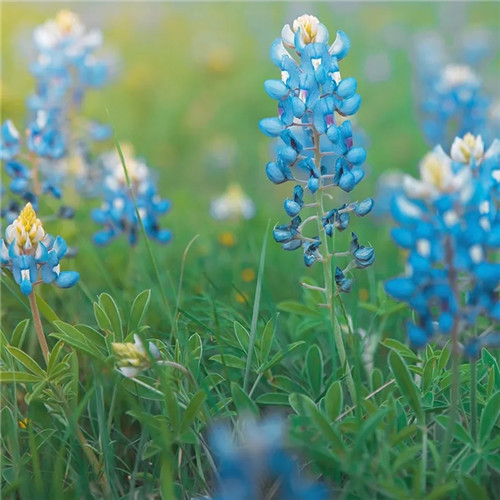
26, 231
455, 75
465, 149
436, 177
133, 358
310, 31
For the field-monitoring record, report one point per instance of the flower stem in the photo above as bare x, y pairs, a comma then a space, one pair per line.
473, 400
328, 278
455, 358
38, 326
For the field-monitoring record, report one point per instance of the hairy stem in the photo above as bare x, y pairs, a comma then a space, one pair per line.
39, 327
328, 278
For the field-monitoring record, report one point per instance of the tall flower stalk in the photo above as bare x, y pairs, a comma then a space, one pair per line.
319, 155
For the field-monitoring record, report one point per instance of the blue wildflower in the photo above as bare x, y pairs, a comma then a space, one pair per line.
117, 213
30, 254
317, 150
450, 224
261, 457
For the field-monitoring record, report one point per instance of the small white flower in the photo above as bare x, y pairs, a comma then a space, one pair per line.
233, 204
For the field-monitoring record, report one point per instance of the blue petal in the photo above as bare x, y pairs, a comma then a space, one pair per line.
276, 89
67, 279
272, 127
400, 288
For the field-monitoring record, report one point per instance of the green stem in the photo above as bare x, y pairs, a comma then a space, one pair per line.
473, 400
424, 459
455, 355
328, 277
39, 327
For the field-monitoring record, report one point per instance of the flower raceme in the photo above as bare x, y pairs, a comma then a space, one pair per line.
317, 150
29, 253
450, 224
117, 213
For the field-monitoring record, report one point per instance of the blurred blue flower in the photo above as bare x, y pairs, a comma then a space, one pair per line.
259, 458
118, 213
449, 222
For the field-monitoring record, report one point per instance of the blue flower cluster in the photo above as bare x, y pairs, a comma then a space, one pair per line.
65, 68
118, 213
451, 96
260, 457
449, 222
30, 254
317, 150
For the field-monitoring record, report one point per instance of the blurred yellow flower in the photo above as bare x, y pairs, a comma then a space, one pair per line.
227, 239
242, 298
23, 424
363, 294
248, 275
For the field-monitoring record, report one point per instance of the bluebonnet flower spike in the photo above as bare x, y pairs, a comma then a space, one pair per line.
32, 255
449, 222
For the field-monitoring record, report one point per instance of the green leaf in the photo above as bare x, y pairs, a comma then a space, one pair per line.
54, 355
73, 337
334, 400
230, 360
314, 368
267, 338
17, 337
401, 349
298, 308
192, 410
195, 346
300, 402
92, 336
474, 490
45, 310
101, 317
428, 374
489, 417
109, 306
443, 360
280, 355
242, 401
490, 361
406, 385
150, 450
19, 377
139, 309
242, 335
27, 361
327, 431
273, 398
460, 433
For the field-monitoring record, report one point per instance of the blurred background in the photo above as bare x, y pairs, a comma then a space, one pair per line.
188, 94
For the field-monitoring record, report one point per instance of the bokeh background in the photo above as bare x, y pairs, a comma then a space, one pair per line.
188, 94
